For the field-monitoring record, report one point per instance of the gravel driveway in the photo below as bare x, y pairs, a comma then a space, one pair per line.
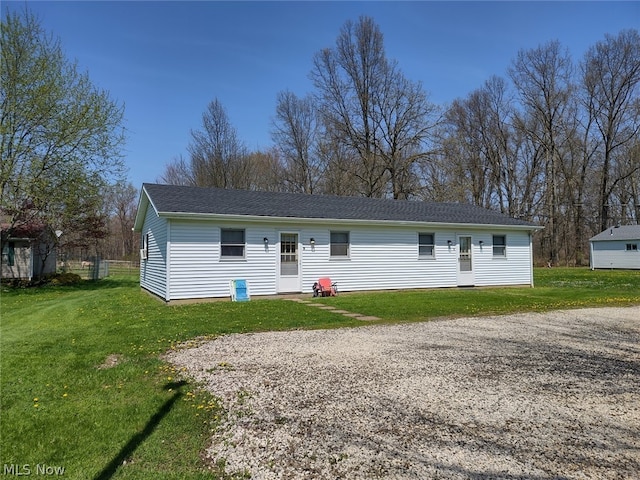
527, 396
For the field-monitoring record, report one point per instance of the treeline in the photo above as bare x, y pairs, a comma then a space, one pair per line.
107, 229
554, 142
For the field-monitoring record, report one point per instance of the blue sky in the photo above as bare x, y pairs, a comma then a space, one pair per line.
167, 60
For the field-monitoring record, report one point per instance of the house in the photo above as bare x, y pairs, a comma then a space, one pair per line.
28, 252
195, 240
616, 247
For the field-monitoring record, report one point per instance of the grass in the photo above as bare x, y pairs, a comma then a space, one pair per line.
137, 419
556, 288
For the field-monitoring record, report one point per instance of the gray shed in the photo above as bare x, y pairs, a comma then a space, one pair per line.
616, 247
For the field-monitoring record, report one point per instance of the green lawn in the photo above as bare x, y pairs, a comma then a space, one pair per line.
555, 288
138, 419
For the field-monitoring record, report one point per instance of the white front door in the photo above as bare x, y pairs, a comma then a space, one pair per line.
289, 267
465, 262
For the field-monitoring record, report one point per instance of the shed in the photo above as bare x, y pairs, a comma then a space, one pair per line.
195, 240
28, 252
616, 247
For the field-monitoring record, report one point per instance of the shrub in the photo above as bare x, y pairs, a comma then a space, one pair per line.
66, 279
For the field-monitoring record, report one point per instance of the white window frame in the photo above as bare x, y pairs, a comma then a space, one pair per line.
144, 251
243, 245
432, 245
339, 244
503, 246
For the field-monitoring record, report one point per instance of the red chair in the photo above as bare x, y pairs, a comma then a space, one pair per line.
326, 288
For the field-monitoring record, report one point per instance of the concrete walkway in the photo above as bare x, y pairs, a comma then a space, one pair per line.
329, 308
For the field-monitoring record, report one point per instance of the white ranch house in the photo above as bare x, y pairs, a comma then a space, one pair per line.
616, 247
196, 240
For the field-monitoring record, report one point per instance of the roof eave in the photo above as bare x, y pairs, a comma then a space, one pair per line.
317, 221
612, 239
143, 204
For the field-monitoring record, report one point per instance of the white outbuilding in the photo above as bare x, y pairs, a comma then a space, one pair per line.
616, 247
195, 241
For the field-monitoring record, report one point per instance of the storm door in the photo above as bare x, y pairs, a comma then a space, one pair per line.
289, 278
465, 261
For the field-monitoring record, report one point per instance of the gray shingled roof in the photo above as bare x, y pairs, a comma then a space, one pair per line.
624, 232
172, 199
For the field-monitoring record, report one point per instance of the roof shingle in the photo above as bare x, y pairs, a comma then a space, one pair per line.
624, 232
172, 199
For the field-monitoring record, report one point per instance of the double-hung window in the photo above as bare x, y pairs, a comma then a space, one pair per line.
232, 243
426, 245
339, 244
632, 247
499, 245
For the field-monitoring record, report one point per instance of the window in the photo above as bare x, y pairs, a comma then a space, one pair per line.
339, 244
9, 254
499, 246
144, 251
425, 244
232, 243
632, 247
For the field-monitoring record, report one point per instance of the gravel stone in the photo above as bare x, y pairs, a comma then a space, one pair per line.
527, 396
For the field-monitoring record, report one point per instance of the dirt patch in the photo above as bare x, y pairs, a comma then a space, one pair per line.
111, 361
528, 396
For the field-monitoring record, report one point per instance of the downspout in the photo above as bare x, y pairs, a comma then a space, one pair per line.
167, 283
531, 257
591, 256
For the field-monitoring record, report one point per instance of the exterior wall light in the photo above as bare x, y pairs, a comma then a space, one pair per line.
312, 241
449, 242
265, 240
481, 242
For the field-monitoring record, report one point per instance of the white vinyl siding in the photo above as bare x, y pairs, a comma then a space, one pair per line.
153, 271
198, 272
615, 254
380, 258
512, 269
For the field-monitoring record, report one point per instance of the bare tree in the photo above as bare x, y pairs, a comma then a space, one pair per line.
178, 172
347, 78
405, 119
267, 171
633, 185
218, 157
487, 151
295, 130
611, 81
542, 77
340, 167
122, 200
369, 107
465, 150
